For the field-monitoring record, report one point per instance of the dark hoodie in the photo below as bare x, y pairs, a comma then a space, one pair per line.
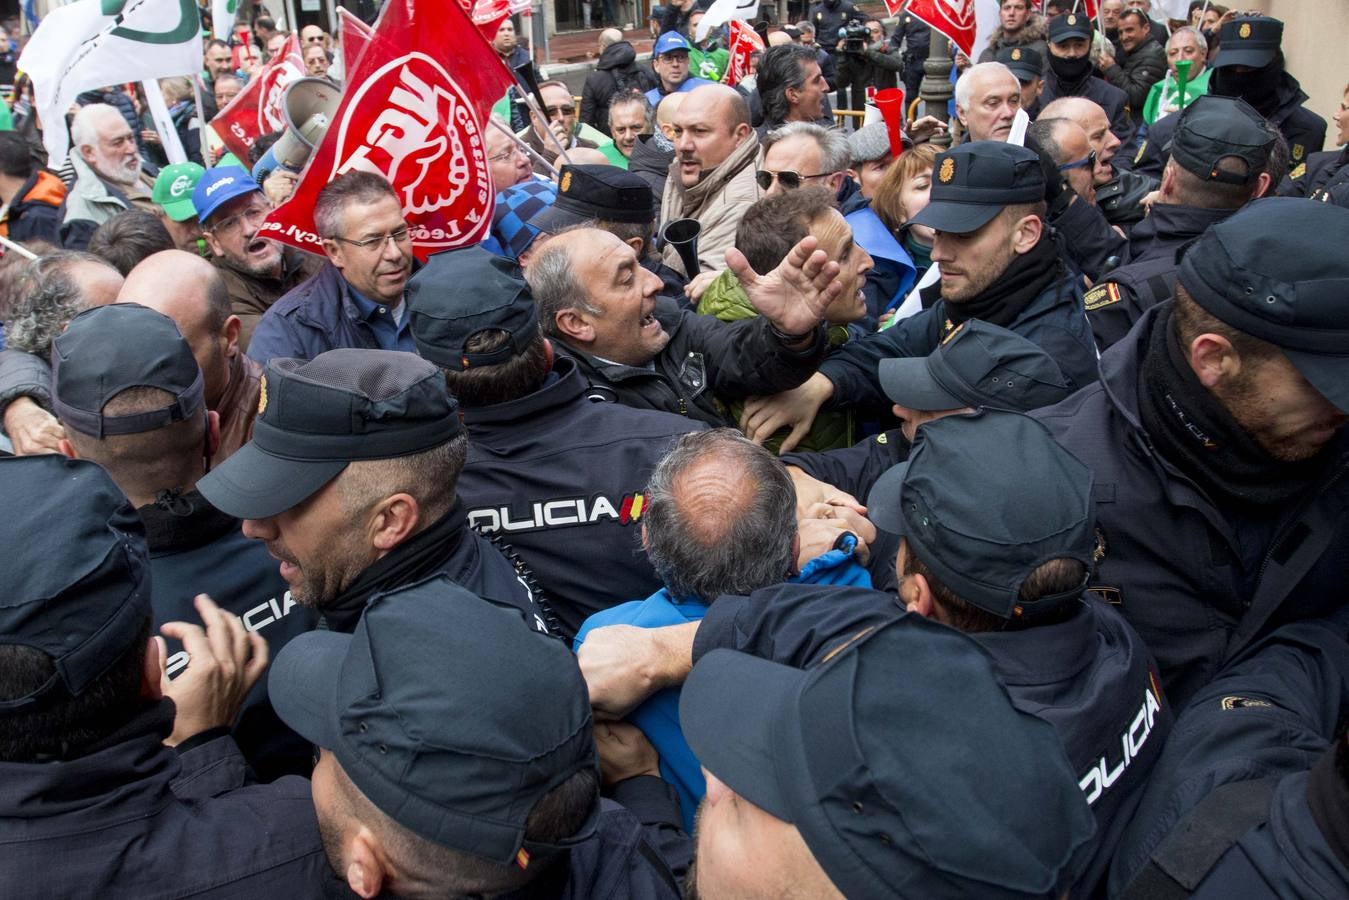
616, 71
652, 163
35, 212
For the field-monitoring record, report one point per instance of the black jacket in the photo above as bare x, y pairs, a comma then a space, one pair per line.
704, 359
616, 70
1318, 176
1088, 240
196, 549
1169, 557
1116, 303
1089, 676
828, 16
1135, 73
652, 164
1110, 98
561, 478
133, 818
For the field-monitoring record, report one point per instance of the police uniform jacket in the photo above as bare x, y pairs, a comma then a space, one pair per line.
196, 549
1169, 557
1055, 320
1264, 721
828, 17
1115, 304
1088, 240
561, 477
134, 818
1089, 676
704, 359
1110, 98
1318, 176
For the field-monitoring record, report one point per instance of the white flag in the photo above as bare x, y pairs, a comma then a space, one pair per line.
96, 43
222, 18
723, 11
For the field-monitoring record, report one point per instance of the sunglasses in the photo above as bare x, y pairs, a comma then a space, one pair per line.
789, 180
1088, 161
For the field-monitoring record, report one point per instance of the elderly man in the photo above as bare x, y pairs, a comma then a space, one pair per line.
600, 306
1070, 73
508, 163
629, 118
225, 89
791, 87
1110, 11
356, 298
316, 61
987, 98
712, 178
803, 153
567, 131
1185, 44
1141, 62
1067, 144
108, 176
670, 60
230, 208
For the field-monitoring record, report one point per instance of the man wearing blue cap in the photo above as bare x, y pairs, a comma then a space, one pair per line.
1219, 427
670, 59
230, 208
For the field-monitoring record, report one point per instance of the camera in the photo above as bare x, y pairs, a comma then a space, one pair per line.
854, 36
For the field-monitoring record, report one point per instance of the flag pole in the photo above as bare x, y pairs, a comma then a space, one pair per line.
17, 248
201, 123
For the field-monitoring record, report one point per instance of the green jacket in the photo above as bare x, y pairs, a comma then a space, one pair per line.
726, 299
1162, 98
709, 64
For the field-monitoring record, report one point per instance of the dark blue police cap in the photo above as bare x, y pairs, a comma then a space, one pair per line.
447, 711
1276, 270
315, 417
984, 500
1248, 41
978, 365
901, 761
81, 594
1069, 25
109, 349
589, 192
974, 182
1025, 62
460, 293
1214, 128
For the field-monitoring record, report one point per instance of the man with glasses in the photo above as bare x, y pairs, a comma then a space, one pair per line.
803, 153
508, 163
560, 108
356, 298
230, 207
1066, 144
670, 60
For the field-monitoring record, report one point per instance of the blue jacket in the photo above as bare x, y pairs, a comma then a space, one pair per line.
894, 272
315, 316
658, 717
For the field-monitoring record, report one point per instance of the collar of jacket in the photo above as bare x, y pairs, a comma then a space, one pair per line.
1173, 220
1021, 658
93, 188
1290, 95
127, 775
1035, 29
694, 197
292, 263
195, 524
554, 396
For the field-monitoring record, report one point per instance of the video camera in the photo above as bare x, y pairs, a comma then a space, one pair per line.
854, 36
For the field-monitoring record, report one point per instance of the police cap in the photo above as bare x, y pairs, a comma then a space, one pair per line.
460, 293
1248, 41
1214, 128
974, 182
589, 192
1025, 62
1069, 25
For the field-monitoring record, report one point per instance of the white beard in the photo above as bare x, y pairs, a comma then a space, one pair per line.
119, 173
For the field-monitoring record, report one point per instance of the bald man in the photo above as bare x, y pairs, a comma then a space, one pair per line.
712, 177
1091, 118
191, 292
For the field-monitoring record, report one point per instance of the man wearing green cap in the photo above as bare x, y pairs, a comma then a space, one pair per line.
172, 196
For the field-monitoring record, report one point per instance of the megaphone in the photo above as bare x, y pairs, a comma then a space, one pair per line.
890, 102
309, 107
682, 234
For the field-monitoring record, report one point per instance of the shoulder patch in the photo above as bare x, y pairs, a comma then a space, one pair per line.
1101, 295
1299, 151
1245, 703
1298, 172
882, 439
1142, 148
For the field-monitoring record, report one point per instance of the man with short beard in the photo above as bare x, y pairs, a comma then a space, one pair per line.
108, 177
231, 207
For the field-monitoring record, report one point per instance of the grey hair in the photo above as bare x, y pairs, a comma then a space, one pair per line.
1194, 33
965, 83
1042, 132
47, 300
835, 154
750, 546
634, 98
555, 287
84, 127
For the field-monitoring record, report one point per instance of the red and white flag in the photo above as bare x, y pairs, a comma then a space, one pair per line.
953, 18
354, 35
259, 109
406, 118
487, 14
743, 42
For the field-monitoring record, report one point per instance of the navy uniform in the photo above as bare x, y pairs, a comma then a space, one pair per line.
320, 415
1203, 557
1229, 796
1318, 176
1212, 129
1074, 78
915, 35
1252, 44
472, 722
1068, 659
1036, 296
555, 474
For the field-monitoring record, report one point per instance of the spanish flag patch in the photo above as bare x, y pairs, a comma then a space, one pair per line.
1101, 295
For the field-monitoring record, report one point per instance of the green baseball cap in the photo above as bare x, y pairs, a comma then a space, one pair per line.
173, 190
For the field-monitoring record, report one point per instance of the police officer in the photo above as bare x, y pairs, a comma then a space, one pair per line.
1218, 162
915, 35
484, 784
1029, 69
1218, 443
1070, 74
130, 396
554, 473
844, 780
117, 783
1321, 176
350, 479
1249, 65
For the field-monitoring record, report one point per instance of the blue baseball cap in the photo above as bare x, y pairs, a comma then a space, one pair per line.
670, 40
218, 187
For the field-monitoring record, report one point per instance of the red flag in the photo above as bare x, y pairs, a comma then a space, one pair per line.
953, 18
406, 118
487, 15
257, 108
355, 34
894, 6
744, 41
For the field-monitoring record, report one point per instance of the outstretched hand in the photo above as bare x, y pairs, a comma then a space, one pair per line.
794, 296
226, 661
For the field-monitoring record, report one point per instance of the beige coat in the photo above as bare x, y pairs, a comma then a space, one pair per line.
717, 202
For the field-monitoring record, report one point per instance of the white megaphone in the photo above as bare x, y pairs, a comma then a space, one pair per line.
309, 107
